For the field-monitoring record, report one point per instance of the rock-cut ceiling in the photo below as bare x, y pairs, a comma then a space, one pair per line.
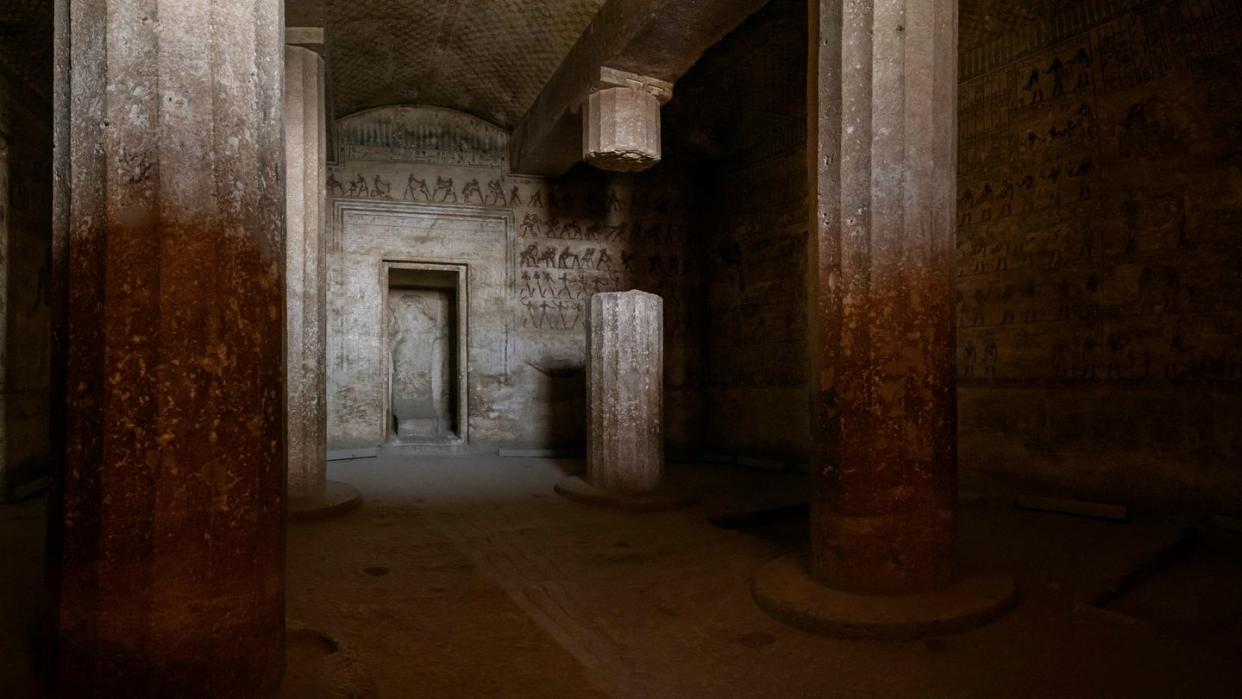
492, 57
487, 57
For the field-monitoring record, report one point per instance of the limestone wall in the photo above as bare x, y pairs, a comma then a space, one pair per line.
1100, 247
424, 185
1100, 253
744, 105
25, 320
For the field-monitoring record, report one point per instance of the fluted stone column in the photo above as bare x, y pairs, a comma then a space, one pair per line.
882, 154
884, 409
625, 391
311, 495
306, 271
625, 394
168, 550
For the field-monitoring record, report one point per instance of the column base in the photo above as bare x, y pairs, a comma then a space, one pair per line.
785, 590
659, 500
337, 499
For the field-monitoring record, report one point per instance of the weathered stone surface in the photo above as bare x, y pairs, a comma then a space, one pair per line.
1098, 255
744, 104
625, 391
488, 57
1094, 301
427, 186
168, 551
306, 271
381, 237
656, 38
621, 129
882, 163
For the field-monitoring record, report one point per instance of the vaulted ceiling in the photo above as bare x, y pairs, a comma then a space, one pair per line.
487, 57
492, 57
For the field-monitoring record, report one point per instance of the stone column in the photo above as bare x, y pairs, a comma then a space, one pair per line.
625, 417
311, 495
625, 389
882, 154
305, 251
169, 251
884, 413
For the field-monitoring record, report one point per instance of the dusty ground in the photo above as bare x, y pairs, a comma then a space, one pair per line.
468, 577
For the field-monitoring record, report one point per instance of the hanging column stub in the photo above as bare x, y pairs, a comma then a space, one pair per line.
650, 42
621, 122
625, 392
882, 168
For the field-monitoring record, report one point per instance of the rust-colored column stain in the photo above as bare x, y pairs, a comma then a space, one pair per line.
882, 155
171, 228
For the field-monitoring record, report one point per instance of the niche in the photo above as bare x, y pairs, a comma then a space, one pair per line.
425, 340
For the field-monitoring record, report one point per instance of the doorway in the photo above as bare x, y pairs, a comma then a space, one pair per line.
425, 341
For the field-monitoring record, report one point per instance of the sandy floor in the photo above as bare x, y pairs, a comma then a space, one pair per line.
468, 577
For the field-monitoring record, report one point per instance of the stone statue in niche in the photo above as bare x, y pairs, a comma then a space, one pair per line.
419, 364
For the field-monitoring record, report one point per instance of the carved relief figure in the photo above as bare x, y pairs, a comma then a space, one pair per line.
381, 189
530, 226
1034, 86
530, 256
495, 193
548, 258
444, 191
567, 259
415, 187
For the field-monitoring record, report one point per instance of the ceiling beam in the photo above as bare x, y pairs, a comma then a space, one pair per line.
657, 39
